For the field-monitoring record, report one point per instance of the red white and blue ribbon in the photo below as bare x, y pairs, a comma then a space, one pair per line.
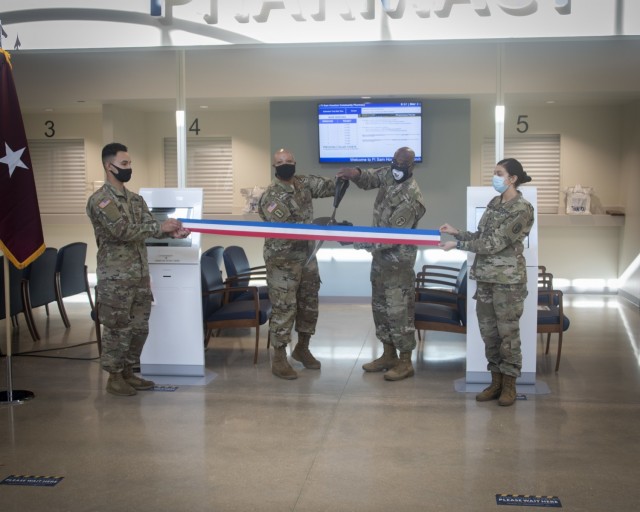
336, 233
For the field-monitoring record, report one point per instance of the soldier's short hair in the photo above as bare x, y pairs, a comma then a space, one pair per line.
112, 149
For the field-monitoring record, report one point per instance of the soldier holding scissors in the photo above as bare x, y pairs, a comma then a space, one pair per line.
399, 204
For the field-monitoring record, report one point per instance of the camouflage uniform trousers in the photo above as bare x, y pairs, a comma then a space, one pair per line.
499, 308
293, 291
393, 302
124, 307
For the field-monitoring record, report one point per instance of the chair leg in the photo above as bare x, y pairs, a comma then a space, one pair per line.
559, 350
95, 314
87, 287
546, 351
207, 335
28, 312
255, 353
63, 311
28, 317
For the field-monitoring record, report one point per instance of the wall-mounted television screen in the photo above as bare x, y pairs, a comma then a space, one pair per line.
368, 132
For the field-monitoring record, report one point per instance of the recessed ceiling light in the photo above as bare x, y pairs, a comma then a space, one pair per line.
48, 109
204, 106
366, 97
550, 102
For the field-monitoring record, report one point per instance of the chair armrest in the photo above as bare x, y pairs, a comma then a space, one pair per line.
232, 289
230, 280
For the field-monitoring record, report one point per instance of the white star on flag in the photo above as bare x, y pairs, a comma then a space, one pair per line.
12, 159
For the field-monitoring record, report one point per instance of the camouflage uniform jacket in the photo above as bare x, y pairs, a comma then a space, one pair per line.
121, 223
498, 243
397, 205
291, 203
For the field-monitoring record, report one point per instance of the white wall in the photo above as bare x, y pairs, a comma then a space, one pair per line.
629, 190
60, 230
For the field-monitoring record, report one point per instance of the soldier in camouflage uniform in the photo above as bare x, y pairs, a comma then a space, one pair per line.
501, 274
293, 286
399, 204
121, 223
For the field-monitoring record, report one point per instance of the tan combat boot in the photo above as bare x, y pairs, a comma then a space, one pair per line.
280, 367
134, 381
493, 391
508, 395
116, 385
402, 370
386, 361
301, 353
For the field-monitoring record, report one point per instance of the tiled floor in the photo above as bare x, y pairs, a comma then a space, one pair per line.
332, 440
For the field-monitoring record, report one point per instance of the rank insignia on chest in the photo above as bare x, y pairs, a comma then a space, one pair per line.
104, 202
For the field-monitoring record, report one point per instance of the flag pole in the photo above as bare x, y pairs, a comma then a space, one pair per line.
10, 396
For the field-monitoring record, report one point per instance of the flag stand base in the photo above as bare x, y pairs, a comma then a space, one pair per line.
17, 396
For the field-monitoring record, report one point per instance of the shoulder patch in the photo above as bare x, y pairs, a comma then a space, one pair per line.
104, 202
271, 207
403, 216
517, 227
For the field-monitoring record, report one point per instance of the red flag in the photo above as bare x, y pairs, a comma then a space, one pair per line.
21, 237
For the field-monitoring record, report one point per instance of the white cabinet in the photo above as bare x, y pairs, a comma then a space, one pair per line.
175, 345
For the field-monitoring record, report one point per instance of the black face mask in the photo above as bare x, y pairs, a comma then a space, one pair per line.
123, 175
285, 171
400, 174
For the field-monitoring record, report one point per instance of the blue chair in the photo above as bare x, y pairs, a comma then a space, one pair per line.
240, 273
71, 275
545, 284
215, 252
432, 316
439, 284
551, 318
16, 298
219, 312
39, 285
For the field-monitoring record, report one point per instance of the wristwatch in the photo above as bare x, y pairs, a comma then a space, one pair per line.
459, 244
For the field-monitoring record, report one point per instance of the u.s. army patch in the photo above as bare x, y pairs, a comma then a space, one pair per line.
517, 228
278, 213
401, 221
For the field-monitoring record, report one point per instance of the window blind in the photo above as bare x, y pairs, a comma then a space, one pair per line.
209, 166
60, 175
540, 157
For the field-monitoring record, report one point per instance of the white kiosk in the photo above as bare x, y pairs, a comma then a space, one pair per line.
477, 375
175, 345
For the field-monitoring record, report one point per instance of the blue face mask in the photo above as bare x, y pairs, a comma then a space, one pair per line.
499, 184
